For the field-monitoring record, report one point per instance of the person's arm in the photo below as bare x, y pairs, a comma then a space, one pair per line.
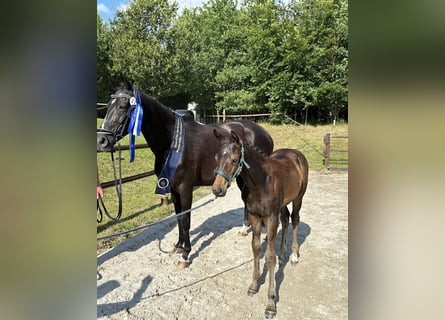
99, 190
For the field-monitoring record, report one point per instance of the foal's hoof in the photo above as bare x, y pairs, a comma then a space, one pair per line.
294, 260
251, 292
270, 314
294, 263
183, 264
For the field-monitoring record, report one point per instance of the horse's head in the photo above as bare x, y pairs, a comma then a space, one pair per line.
115, 124
229, 162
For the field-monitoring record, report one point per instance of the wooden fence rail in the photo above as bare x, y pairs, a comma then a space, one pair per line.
328, 150
111, 183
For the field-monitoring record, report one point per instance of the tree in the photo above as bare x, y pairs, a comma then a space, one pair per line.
140, 45
102, 61
208, 42
285, 57
323, 23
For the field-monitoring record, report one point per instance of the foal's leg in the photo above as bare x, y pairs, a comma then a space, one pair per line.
244, 193
284, 217
271, 262
256, 246
246, 225
296, 206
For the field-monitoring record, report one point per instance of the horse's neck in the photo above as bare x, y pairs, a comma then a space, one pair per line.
158, 125
255, 176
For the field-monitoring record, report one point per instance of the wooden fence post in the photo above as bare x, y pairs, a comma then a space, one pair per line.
327, 149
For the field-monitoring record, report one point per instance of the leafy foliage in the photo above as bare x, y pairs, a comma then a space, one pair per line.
103, 61
251, 56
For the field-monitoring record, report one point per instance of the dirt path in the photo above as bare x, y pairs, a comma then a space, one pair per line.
141, 281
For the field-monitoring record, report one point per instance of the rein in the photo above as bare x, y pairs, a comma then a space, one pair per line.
100, 202
242, 162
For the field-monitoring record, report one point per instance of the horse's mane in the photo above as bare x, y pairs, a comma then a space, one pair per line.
122, 82
256, 149
154, 101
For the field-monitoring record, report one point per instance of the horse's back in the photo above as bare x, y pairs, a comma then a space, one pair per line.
253, 134
201, 146
291, 161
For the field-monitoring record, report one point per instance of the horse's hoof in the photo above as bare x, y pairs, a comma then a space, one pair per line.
294, 263
177, 250
183, 264
270, 314
242, 233
251, 292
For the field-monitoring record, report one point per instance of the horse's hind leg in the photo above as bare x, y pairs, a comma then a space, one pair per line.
284, 217
295, 222
271, 262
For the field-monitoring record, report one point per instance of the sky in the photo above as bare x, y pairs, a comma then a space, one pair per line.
108, 8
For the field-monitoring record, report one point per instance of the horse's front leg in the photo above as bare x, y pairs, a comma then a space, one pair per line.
244, 194
256, 246
183, 202
271, 262
246, 224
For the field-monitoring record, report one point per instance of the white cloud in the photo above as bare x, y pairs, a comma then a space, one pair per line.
182, 4
122, 7
102, 8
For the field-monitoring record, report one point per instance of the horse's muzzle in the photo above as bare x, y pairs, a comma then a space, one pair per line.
220, 186
219, 191
105, 142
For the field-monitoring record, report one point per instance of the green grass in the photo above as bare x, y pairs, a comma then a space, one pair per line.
141, 204
309, 140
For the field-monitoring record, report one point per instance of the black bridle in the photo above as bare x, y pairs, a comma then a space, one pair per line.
120, 131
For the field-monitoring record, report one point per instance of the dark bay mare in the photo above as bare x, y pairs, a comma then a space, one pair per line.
273, 182
196, 164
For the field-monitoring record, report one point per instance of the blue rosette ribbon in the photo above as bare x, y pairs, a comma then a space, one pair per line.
134, 128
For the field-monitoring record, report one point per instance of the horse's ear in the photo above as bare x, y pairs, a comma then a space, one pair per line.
218, 136
114, 82
119, 82
235, 137
128, 85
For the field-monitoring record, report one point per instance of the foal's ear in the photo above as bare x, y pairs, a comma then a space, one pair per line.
218, 136
235, 137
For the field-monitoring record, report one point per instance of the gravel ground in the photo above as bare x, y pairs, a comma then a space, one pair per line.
140, 279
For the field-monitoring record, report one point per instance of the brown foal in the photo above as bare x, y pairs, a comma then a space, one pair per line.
273, 182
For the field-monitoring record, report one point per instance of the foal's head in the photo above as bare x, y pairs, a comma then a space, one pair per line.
229, 162
115, 124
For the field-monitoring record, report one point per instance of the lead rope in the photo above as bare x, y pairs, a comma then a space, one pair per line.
118, 186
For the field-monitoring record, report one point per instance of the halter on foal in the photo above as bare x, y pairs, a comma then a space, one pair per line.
273, 182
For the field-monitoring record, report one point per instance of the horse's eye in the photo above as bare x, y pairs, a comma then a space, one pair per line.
234, 161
